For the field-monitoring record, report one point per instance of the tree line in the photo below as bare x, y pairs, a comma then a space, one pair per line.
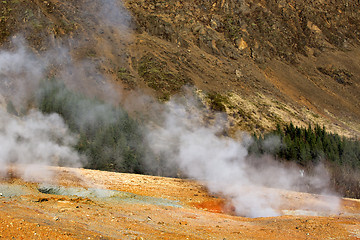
308, 146
114, 141
108, 136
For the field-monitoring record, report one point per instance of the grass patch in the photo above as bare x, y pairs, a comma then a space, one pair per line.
218, 102
125, 76
158, 75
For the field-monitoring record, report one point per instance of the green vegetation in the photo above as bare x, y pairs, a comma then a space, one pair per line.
218, 102
108, 136
158, 76
309, 146
10, 108
341, 76
232, 28
125, 76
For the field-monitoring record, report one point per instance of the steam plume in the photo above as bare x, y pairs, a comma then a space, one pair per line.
181, 139
34, 142
20, 73
114, 14
223, 163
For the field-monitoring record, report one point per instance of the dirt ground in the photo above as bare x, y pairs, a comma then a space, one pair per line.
88, 204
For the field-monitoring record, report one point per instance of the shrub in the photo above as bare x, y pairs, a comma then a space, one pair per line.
217, 102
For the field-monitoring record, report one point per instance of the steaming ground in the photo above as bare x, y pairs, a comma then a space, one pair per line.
34, 142
181, 138
186, 140
29, 139
149, 207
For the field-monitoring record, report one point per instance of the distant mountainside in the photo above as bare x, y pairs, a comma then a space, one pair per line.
262, 62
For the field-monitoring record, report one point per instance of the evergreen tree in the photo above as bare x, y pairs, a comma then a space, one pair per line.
308, 146
107, 135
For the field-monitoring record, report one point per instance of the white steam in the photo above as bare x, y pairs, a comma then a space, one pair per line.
185, 140
114, 14
34, 142
20, 73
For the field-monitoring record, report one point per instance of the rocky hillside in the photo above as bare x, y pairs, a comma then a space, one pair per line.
263, 62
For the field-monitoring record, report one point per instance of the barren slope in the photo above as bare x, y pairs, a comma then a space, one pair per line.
283, 61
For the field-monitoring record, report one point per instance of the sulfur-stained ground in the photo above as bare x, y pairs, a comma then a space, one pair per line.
127, 206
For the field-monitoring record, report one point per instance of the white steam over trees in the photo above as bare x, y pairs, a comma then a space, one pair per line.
35, 141
108, 136
185, 140
181, 139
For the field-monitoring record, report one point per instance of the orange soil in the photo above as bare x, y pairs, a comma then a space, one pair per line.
36, 215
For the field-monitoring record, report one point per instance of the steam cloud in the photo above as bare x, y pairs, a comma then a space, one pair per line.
184, 139
181, 138
34, 141
114, 14
20, 73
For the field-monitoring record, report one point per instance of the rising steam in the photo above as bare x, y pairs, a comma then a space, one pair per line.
34, 142
29, 139
181, 138
20, 73
200, 152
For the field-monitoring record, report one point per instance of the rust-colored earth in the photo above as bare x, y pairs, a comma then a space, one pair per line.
111, 205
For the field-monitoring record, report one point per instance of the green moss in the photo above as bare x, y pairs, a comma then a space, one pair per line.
218, 102
232, 29
125, 76
158, 75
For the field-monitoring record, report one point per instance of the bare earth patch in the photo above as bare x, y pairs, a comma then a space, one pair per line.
88, 204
